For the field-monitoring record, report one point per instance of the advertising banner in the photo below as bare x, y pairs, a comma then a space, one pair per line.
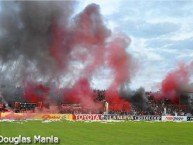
147, 117
53, 116
190, 118
21, 116
118, 117
87, 117
174, 118
14, 116
47, 116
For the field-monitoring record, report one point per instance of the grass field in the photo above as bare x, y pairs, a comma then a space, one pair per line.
98, 133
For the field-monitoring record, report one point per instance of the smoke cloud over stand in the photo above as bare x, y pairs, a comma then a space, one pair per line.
45, 43
177, 85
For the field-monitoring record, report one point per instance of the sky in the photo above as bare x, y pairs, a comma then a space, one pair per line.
161, 33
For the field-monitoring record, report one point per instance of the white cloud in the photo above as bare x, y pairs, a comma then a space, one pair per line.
182, 35
140, 50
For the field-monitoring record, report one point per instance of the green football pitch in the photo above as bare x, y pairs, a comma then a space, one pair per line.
101, 133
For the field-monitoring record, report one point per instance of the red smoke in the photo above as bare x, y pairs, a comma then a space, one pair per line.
120, 62
81, 93
89, 27
115, 102
35, 92
88, 41
174, 81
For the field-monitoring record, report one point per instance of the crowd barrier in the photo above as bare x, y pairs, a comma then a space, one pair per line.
92, 117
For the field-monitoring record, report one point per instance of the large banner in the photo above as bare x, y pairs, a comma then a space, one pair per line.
147, 117
118, 117
174, 118
87, 117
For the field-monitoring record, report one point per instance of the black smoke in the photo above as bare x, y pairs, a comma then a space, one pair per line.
138, 98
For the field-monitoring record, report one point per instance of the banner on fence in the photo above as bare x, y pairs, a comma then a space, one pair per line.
190, 118
45, 116
147, 117
117, 117
84, 117
174, 118
53, 116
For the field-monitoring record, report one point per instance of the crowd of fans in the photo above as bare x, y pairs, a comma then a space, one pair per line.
150, 107
153, 107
